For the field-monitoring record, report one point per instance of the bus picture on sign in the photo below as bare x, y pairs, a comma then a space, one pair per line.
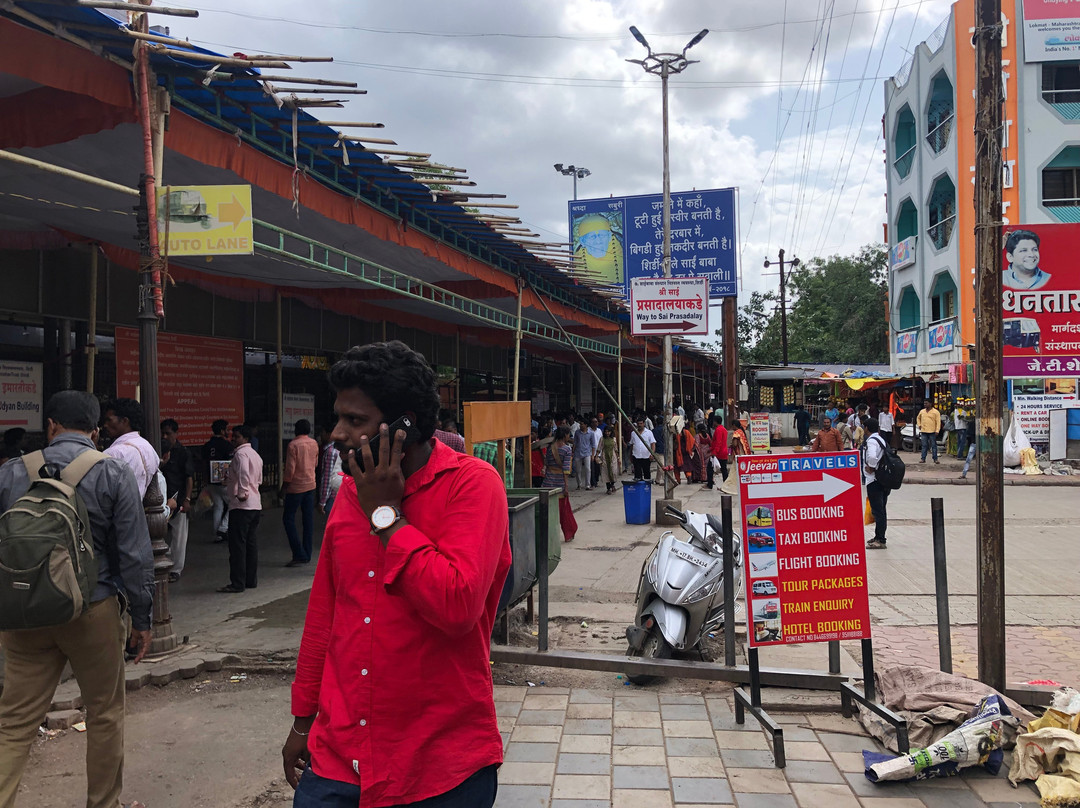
802, 518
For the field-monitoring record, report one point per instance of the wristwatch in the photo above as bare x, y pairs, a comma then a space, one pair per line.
385, 517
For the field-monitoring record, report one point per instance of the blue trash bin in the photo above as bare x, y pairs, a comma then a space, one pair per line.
637, 502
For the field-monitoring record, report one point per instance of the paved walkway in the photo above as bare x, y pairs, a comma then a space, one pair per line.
574, 748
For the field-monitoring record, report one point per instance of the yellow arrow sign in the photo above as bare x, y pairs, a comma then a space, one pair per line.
205, 219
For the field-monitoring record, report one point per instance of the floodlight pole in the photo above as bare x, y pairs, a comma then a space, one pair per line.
665, 65
577, 172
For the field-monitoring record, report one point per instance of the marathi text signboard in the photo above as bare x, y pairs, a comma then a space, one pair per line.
206, 219
200, 379
806, 570
669, 306
294, 407
1040, 299
760, 441
617, 239
1051, 32
20, 395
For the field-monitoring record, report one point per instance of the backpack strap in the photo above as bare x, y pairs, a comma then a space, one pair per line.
34, 463
75, 470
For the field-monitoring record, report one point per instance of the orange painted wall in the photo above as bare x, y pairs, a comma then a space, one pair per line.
966, 79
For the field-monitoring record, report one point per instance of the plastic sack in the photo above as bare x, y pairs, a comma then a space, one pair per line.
1028, 462
715, 463
1015, 441
1051, 757
977, 741
868, 515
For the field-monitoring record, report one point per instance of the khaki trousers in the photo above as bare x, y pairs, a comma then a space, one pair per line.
33, 662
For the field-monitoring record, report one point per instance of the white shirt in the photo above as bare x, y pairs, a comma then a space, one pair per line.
875, 450
648, 424
134, 450
641, 449
885, 421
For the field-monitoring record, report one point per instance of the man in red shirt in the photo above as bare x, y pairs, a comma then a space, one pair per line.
393, 700
720, 450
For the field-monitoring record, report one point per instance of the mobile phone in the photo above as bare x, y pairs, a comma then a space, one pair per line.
405, 424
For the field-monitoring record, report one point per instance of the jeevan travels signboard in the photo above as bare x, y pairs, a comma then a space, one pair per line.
806, 570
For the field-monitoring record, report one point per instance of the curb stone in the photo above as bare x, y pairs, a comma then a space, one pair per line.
63, 719
67, 697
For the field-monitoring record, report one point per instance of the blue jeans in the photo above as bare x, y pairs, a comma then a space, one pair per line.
928, 439
962, 443
477, 791
970, 457
301, 551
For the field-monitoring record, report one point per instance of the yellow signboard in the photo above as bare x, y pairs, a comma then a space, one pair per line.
205, 220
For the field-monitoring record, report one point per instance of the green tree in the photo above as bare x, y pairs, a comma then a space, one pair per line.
836, 314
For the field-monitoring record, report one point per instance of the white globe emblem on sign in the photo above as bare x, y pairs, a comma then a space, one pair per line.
939, 335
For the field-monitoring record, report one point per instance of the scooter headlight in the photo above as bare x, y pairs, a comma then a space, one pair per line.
704, 591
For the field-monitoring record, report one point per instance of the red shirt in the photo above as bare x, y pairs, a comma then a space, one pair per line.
395, 657
720, 443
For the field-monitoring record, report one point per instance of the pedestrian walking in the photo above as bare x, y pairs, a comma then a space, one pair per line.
216, 454
92, 643
885, 426
642, 444
737, 439
123, 424
585, 448
609, 459
969, 433
720, 451
702, 453
827, 439
928, 422
597, 428
876, 493
298, 485
179, 470
408, 584
245, 507
802, 424
960, 423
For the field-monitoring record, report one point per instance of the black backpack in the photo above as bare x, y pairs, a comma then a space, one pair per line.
890, 469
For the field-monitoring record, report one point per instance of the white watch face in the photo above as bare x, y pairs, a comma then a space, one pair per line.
383, 517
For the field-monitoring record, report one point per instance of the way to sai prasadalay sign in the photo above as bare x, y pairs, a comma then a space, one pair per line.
206, 219
669, 306
803, 522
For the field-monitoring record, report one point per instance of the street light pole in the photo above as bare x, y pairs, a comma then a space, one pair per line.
665, 65
577, 172
794, 262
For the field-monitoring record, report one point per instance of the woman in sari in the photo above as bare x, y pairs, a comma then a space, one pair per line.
609, 459
704, 452
558, 462
739, 444
687, 444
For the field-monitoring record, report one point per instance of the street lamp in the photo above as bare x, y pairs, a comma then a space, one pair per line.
794, 262
664, 65
576, 172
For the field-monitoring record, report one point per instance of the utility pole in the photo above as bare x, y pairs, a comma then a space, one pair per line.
990, 518
730, 359
577, 172
794, 262
664, 65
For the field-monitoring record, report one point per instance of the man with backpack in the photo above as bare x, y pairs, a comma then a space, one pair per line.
882, 472
36, 645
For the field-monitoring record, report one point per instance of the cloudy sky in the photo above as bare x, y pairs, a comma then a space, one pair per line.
785, 102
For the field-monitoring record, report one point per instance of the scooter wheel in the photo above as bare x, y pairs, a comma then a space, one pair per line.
654, 647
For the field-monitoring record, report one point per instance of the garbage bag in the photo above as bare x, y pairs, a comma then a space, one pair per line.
1050, 757
977, 741
1028, 462
1015, 440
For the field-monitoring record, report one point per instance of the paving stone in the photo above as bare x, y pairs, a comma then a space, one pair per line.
822, 795
949, 799
748, 758
538, 701
509, 709
850, 761
526, 773
803, 750
634, 736
758, 781
730, 739
834, 721
701, 790
683, 712
687, 729
506, 723
580, 804
640, 798
812, 771
637, 718
505, 738
726, 721
215, 662
837, 742
532, 752
692, 747
63, 719
582, 787
695, 767
886, 802
190, 668
581, 695
164, 673
540, 718
997, 790
765, 800
796, 732
636, 755
944, 782
574, 763
639, 777
681, 698
589, 711
587, 726
586, 744
537, 734
523, 796
510, 693
864, 788
637, 702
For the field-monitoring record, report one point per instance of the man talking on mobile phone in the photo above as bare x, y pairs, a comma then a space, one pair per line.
393, 701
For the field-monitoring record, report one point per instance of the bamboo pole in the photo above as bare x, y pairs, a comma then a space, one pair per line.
350, 124
300, 80
214, 59
273, 88
66, 172
487, 204
135, 8
399, 153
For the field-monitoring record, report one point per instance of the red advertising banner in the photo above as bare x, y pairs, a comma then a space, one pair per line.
806, 557
1040, 299
200, 379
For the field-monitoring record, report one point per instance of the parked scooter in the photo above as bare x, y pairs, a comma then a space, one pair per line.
681, 591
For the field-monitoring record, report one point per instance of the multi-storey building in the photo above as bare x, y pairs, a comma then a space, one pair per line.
930, 146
